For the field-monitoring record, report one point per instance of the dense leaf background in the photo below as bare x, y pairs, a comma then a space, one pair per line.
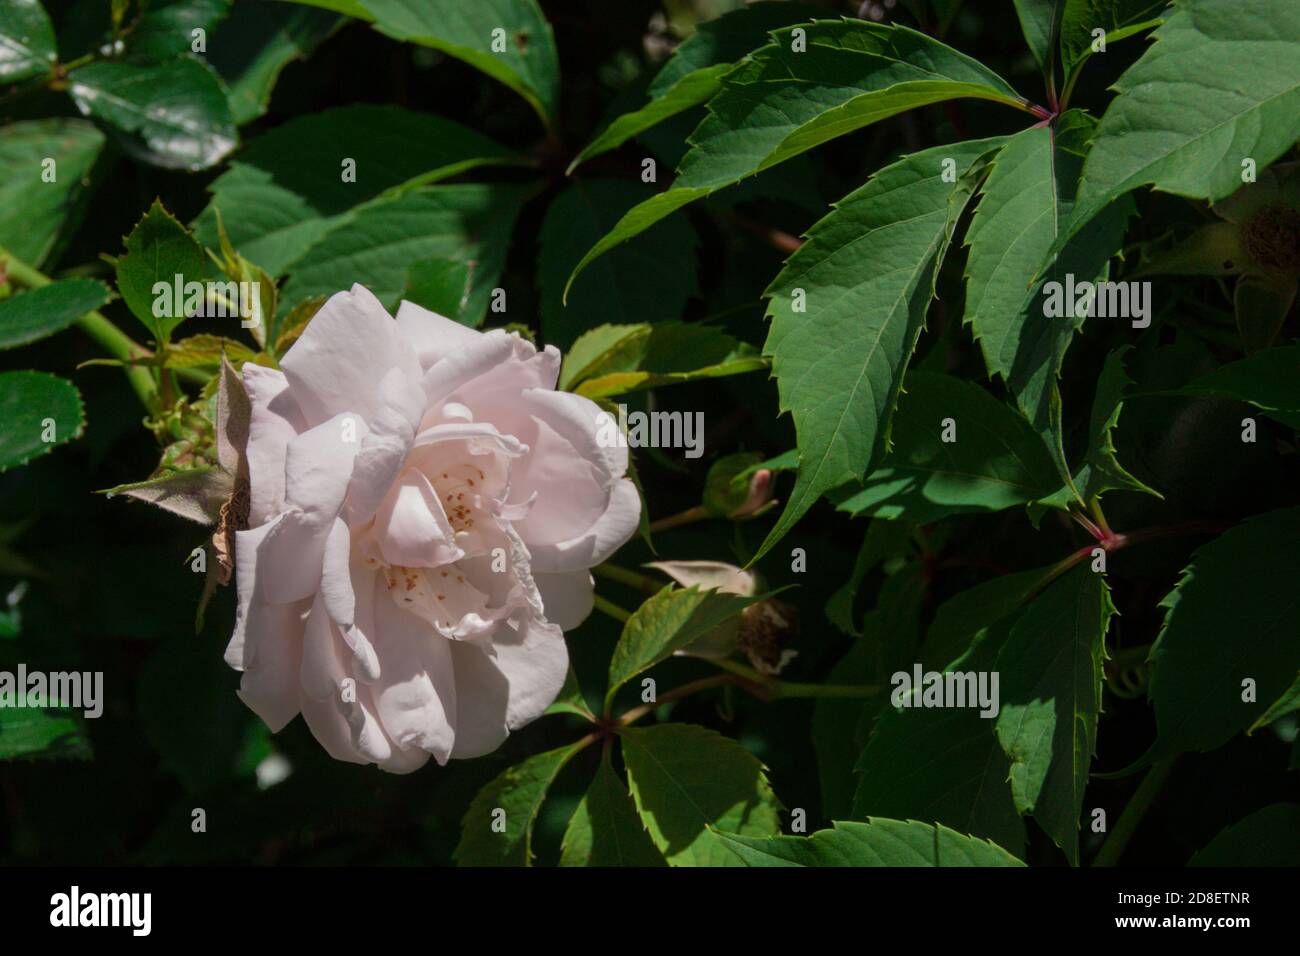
479, 172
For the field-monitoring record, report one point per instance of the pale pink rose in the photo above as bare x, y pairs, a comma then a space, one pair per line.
424, 511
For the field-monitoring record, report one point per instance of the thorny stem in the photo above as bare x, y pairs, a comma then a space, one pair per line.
1136, 809
113, 340
769, 688
689, 516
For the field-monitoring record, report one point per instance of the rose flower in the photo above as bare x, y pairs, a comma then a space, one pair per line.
424, 509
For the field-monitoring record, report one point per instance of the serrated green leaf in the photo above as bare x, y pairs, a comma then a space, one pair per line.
37, 412
878, 842
847, 311
840, 727
1051, 673
995, 460
605, 829
256, 43
649, 279
1117, 19
665, 353
1022, 207
172, 114
778, 103
667, 622
964, 618
30, 316
34, 211
375, 244
943, 763
159, 249
1231, 618
692, 74
1220, 84
1101, 471
27, 45
518, 792
1267, 837
275, 206
509, 40
686, 781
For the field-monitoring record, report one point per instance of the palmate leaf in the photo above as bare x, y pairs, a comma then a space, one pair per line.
34, 212
778, 103
37, 413
1051, 672
605, 829
689, 783
996, 461
877, 842
1219, 85
513, 799
694, 71
172, 113
274, 206
848, 308
1021, 210
1231, 618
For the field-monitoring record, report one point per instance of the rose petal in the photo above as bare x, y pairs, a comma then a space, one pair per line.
415, 696
343, 355
431, 335
274, 421
501, 693
568, 597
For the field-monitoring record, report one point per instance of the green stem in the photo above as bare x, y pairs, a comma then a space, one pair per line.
610, 608
112, 339
633, 579
1127, 824
771, 688
689, 516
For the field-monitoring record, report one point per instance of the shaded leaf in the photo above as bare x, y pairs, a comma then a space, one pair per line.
512, 799
605, 829
878, 842
687, 781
